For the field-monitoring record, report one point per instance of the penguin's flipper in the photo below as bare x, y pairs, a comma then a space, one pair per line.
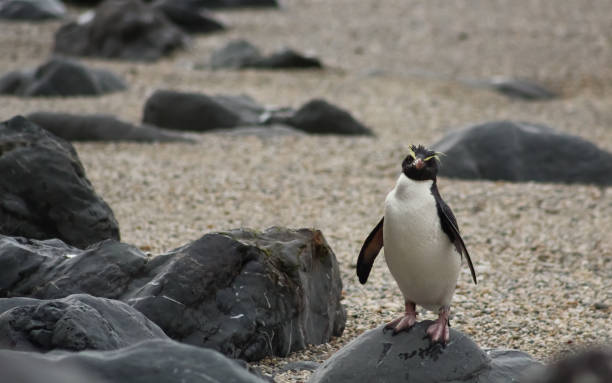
370, 249
449, 226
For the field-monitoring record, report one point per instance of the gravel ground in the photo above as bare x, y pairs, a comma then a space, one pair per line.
543, 252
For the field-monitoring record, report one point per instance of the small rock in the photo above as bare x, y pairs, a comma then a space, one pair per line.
199, 112
321, 117
300, 365
523, 89
61, 77
121, 29
240, 54
589, 366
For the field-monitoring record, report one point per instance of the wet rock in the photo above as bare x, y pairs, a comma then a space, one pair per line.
44, 192
379, 356
188, 16
160, 361
31, 10
199, 112
518, 151
77, 322
61, 77
99, 127
120, 29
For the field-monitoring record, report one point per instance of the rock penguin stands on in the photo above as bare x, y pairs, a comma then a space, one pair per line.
423, 246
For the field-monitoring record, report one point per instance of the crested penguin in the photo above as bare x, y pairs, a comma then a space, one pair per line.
423, 246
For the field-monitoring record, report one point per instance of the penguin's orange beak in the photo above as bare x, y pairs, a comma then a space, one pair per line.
418, 163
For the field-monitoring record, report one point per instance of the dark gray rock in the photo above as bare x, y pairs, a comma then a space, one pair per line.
31, 10
517, 151
159, 361
199, 112
188, 16
44, 192
287, 59
121, 29
379, 356
244, 293
320, 117
522, 89
61, 77
51, 269
588, 366
77, 322
240, 54
98, 127
236, 54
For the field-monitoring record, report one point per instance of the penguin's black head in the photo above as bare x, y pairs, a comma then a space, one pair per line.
421, 164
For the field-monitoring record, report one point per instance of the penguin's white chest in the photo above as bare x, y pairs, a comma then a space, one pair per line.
418, 253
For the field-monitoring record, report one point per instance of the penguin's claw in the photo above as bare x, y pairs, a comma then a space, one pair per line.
439, 332
404, 323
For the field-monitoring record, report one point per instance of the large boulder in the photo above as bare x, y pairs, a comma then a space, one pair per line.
44, 192
199, 112
159, 361
31, 10
61, 77
121, 29
77, 322
99, 127
518, 151
239, 54
380, 356
244, 293
188, 16
320, 117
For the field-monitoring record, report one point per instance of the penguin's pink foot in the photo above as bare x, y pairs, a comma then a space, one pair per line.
439, 331
405, 322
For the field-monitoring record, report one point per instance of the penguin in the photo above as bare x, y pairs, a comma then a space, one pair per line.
423, 246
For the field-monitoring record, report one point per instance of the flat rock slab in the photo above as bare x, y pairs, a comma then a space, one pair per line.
44, 192
77, 322
98, 127
61, 77
379, 356
519, 151
31, 10
159, 361
121, 29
